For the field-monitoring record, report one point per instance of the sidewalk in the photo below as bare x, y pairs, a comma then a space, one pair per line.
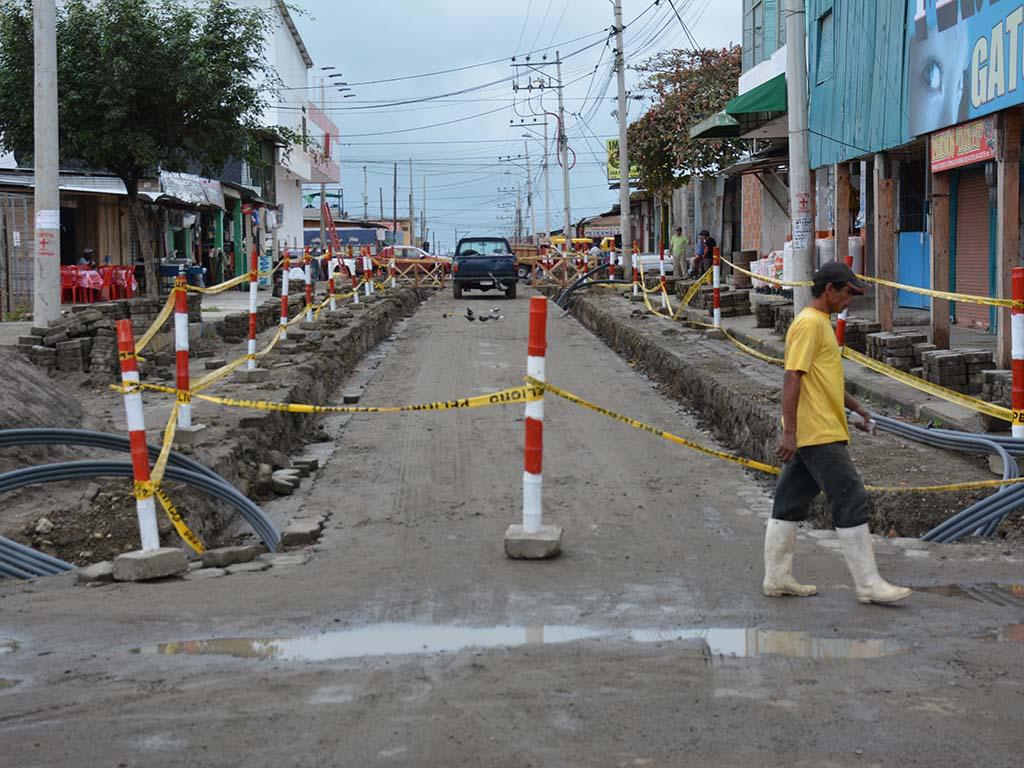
215, 307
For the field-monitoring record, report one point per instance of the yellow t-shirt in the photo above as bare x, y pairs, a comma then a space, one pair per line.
811, 347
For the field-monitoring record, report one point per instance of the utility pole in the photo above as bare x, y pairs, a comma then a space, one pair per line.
323, 192
529, 196
423, 213
625, 229
547, 184
381, 191
394, 208
563, 146
412, 218
366, 202
46, 269
799, 163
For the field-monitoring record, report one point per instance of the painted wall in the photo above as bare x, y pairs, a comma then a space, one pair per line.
856, 54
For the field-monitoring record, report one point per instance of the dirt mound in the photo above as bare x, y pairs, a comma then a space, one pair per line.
30, 398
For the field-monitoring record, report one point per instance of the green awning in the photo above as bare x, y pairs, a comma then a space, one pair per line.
767, 97
717, 126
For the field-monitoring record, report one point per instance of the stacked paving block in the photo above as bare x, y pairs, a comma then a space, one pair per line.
996, 387
783, 318
85, 339
235, 327
894, 348
856, 335
732, 303
963, 370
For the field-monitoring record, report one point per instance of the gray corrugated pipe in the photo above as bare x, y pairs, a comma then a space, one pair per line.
44, 560
982, 517
74, 470
89, 439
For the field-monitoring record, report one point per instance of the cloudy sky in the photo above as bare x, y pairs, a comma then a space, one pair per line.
455, 139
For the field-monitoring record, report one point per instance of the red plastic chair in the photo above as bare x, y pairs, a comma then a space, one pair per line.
109, 290
68, 284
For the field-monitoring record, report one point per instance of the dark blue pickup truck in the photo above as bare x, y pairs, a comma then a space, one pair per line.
484, 263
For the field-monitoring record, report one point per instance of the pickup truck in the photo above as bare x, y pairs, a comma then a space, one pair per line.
483, 263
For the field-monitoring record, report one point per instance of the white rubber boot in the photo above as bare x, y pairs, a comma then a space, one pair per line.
860, 559
779, 543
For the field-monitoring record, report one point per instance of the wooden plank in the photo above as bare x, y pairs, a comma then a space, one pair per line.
885, 251
1007, 223
939, 259
842, 210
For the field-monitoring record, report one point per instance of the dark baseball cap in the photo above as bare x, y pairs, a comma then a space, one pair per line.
838, 272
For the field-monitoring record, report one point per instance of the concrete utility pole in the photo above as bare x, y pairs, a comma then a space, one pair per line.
624, 222
394, 208
547, 184
366, 200
323, 191
423, 213
529, 196
46, 149
412, 218
800, 203
563, 147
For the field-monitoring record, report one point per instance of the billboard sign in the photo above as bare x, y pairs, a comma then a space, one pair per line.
612, 148
964, 60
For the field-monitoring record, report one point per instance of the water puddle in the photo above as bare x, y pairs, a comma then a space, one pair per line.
413, 639
1006, 595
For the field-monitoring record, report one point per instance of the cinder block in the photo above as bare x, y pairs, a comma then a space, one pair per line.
520, 545
252, 375
225, 556
150, 564
300, 532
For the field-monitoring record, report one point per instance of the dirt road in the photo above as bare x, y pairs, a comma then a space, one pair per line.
409, 639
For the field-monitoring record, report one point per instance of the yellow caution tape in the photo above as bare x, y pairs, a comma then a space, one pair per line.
964, 298
772, 280
926, 386
748, 463
220, 287
1017, 417
160, 466
180, 525
161, 318
510, 396
143, 490
703, 280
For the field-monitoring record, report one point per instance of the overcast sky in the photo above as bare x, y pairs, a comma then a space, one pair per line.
372, 41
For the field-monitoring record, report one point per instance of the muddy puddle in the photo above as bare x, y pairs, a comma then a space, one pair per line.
416, 639
1008, 595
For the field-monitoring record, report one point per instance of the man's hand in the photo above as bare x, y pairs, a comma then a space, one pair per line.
786, 449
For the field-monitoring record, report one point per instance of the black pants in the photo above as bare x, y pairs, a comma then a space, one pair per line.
818, 468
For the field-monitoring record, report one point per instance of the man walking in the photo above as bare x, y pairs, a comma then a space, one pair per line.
677, 247
813, 448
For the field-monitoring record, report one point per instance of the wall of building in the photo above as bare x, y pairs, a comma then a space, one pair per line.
750, 239
856, 54
289, 198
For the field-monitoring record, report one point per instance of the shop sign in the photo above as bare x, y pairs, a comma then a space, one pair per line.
972, 142
612, 148
965, 60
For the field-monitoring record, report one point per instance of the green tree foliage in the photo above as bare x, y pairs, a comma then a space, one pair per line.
142, 86
686, 86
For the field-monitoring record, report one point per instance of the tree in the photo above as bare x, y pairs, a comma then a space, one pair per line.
686, 86
142, 87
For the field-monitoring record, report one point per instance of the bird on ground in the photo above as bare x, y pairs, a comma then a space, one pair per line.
469, 312
484, 318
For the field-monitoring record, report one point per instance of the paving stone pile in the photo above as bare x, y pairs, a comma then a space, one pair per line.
85, 339
961, 370
895, 348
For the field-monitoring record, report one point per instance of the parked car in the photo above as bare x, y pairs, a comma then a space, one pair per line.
484, 263
650, 263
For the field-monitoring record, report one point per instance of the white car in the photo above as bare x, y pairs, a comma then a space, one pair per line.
650, 263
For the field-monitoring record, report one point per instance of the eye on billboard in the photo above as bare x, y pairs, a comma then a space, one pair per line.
964, 60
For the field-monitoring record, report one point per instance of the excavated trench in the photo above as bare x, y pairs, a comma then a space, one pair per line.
738, 399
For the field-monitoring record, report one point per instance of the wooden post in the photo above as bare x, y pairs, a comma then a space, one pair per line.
885, 261
842, 211
1008, 223
939, 262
